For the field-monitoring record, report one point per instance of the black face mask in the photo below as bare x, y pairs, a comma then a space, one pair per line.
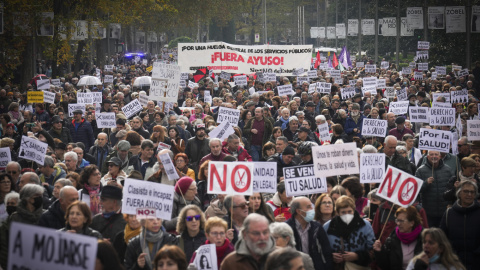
373, 209
38, 202
11, 209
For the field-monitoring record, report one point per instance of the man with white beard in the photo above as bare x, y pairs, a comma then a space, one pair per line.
252, 250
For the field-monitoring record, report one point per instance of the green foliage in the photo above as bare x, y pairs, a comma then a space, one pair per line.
174, 43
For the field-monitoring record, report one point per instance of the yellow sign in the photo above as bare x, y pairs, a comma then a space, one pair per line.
149, 69
35, 96
132, 67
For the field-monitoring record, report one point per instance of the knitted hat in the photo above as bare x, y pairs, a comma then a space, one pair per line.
183, 184
112, 192
288, 151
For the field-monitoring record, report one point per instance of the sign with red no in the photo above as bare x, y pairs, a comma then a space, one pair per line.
230, 178
399, 187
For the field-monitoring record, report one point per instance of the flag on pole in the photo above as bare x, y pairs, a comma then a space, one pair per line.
334, 61
330, 62
340, 66
317, 61
349, 61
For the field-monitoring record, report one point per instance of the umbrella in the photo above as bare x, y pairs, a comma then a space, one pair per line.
142, 81
89, 80
38, 77
200, 74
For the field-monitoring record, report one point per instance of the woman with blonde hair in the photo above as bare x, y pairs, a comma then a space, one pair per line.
190, 227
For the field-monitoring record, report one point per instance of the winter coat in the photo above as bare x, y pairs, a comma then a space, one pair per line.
135, 163
108, 227
85, 231
400, 162
214, 210
280, 164
121, 176
241, 259
391, 255
268, 128
114, 153
100, 154
243, 155
460, 225
57, 173
64, 135
318, 245
53, 218
43, 117
189, 244
450, 194
289, 134
134, 249
83, 133
178, 205
195, 150
432, 194
350, 126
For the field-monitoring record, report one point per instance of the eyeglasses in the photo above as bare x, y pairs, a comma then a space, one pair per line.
327, 203
190, 218
179, 160
215, 234
243, 205
469, 192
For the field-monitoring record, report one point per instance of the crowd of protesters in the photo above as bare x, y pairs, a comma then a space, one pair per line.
78, 189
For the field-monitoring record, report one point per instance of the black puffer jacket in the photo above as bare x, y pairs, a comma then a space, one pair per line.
391, 255
53, 218
134, 249
85, 231
190, 244
108, 227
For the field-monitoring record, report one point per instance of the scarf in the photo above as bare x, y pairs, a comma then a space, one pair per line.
151, 238
463, 177
221, 251
129, 233
184, 170
94, 193
284, 123
15, 114
408, 238
29, 217
340, 229
355, 118
39, 112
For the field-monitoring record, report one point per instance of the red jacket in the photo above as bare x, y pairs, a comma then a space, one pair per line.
243, 155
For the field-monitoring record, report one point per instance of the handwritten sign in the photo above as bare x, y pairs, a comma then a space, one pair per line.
165, 82
265, 177
301, 180
338, 159
132, 108
227, 114
399, 107
374, 127
418, 114
372, 167
442, 117
436, 140
473, 130
106, 120
230, 178
89, 98
399, 187
324, 132
48, 97
35, 96
5, 156
33, 150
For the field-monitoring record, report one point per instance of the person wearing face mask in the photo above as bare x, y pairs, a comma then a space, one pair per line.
11, 202
351, 238
310, 237
437, 253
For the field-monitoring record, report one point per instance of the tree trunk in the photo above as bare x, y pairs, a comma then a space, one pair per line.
78, 57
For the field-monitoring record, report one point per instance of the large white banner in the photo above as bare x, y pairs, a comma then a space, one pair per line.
415, 17
368, 27
436, 18
321, 32
335, 159
455, 19
221, 56
405, 30
352, 28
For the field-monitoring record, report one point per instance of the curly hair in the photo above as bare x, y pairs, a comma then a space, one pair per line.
182, 222
181, 155
86, 173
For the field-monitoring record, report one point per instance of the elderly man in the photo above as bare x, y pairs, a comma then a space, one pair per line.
81, 130
258, 130
121, 152
58, 131
81, 162
390, 121
435, 175
460, 224
252, 250
13, 169
283, 121
71, 161
144, 161
197, 147
464, 148
401, 129
100, 150
310, 237
237, 211
393, 158
233, 148
54, 217
110, 221
216, 153
50, 174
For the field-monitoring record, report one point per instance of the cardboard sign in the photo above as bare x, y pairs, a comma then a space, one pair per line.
372, 167
473, 130
206, 257
418, 114
106, 120
169, 166
301, 180
165, 82
146, 213
324, 132
347, 92
35, 96
132, 108
301, 80
5, 156
240, 80
34, 247
48, 97
33, 150
230, 115
436, 140
399, 107
442, 117
399, 187
285, 90
89, 98
145, 194
337, 159
265, 177
222, 131
374, 127
230, 178
73, 107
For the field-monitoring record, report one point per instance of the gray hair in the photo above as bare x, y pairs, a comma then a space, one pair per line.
280, 259
253, 217
232, 137
214, 140
359, 151
255, 95
180, 122
341, 112
64, 182
138, 118
15, 163
369, 149
64, 189
283, 138
400, 148
72, 155
172, 115
389, 138
32, 178
464, 183
30, 190
146, 143
299, 113
292, 118
48, 162
321, 118
11, 195
283, 230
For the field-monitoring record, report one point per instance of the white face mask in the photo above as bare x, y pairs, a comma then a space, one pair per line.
347, 218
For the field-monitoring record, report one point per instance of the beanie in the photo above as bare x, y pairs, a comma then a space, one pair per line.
182, 185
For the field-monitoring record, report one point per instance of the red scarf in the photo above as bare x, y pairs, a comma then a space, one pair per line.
221, 251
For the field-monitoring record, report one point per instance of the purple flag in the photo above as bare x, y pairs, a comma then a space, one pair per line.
330, 65
349, 61
342, 56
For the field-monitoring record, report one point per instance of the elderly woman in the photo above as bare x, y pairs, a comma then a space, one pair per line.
114, 172
178, 144
467, 173
283, 235
16, 116
292, 128
91, 188
216, 230
351, 238
59, 184
181, 161
132, 229
30, 208
324, 209
403, 244
355, 191
190, 227
78, 217
198, 113
437, 253
141, 249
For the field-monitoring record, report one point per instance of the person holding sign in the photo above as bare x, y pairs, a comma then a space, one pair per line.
78, 218
351, 238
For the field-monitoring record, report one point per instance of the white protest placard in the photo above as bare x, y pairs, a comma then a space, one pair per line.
352, 30
48, 97
374, 127
162, 145
143, 99
370, 81
418, 75
423, 45
43, 84
285, 90
168, 166
389, 92
368, 27
301, 180
402, 94
454, 143
73, 107
270, 77
436, 140
227, 114
381, 83
436, 18
441, 105
434, 75
441, 70
5, 156
191, 84
108, 79
442, 117
337, 159
455, 19
206, 257
312, 88
418, 114
55, 82
371, 89
347, 92
473, 130
331, 32
360, 64
298, 71
421, 67
222, 131
463, 72
399, 187
132, 108
405, 30
457, 96
89, 98
265, 177
445, 95
399, 107
340, 30
301, 80
145, 194
34, 247
311, 74
421, 55
352, 82
106, 120
230, 178
240, 80
324, 88
388, 27
370, 68
33, 150
406, 70
108, 67
415, 17
384, 65
456, 68
372, 167
165, 82
324, 132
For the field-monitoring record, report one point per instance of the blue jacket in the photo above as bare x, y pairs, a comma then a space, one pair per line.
318, 246
350, 125
83, 133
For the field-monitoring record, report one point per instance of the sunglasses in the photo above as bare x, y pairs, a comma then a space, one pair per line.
190, 218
